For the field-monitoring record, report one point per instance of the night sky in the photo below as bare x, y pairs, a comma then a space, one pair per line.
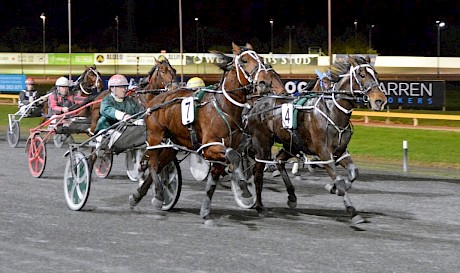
401, 27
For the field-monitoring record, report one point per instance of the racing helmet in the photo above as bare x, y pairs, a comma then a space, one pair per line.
118, 80
195, 82
29, 80
62, 81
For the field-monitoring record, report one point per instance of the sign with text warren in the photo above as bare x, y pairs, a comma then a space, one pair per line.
416, 94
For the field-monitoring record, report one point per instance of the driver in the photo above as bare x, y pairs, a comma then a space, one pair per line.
195, 83
117, 106
60, 100
27, 96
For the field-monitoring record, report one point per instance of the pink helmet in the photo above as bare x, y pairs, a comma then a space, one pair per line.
29, 80
118, 80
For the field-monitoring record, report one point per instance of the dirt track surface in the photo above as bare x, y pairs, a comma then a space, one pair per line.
412, 225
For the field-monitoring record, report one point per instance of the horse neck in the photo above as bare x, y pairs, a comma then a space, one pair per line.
338, 111
232, 86
154, 85
233, 99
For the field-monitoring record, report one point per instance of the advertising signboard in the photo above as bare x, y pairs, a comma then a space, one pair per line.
12, 83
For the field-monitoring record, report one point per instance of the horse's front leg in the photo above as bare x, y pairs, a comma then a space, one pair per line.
340, 187
153, 177
292, 198
205, 212
259, 183
94, 118
351, 168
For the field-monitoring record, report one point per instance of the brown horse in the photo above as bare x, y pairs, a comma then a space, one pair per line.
161, 78
85, 88
319, 125
217, 125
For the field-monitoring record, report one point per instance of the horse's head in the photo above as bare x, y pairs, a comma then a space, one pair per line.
252, 70
162, 75
90, 82
360, 78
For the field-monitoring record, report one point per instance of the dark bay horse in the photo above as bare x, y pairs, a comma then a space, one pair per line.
160, 78
217, 125
318, 125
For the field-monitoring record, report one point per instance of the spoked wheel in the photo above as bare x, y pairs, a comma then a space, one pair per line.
13, 134
133, 160
37, 156
59, 140
103, 165
77, 179
172, 180
246, 203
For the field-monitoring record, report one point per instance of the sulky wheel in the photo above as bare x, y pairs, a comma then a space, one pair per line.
77, 179
246, 203
37, 156
103, 165
133, 161
172, 180
59, 140
13, 134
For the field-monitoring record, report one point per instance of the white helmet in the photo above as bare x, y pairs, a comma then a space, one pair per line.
62, 81
118, 80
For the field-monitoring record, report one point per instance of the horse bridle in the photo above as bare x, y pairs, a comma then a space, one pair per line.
98, 78
354, 76
250, 77
156, 75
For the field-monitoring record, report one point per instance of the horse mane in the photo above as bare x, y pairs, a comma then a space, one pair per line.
343, 66
224, 62
311, 84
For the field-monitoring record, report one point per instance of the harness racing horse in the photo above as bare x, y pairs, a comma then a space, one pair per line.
162, 77
217, 125
318, 124
84, 89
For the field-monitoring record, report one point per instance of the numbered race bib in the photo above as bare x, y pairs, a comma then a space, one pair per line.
188, 110
287, 110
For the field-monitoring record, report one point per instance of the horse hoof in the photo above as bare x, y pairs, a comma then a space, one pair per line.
209, 223
330, 188
247, 201
263, 213
357, 219
298, 177
292, 204
276, 173
132, 201
157, 204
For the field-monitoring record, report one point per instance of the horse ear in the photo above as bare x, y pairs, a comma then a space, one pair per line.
368, 59
156, 61
352, 60
236, 49
249, 46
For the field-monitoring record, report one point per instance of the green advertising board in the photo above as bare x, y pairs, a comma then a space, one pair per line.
77, 58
